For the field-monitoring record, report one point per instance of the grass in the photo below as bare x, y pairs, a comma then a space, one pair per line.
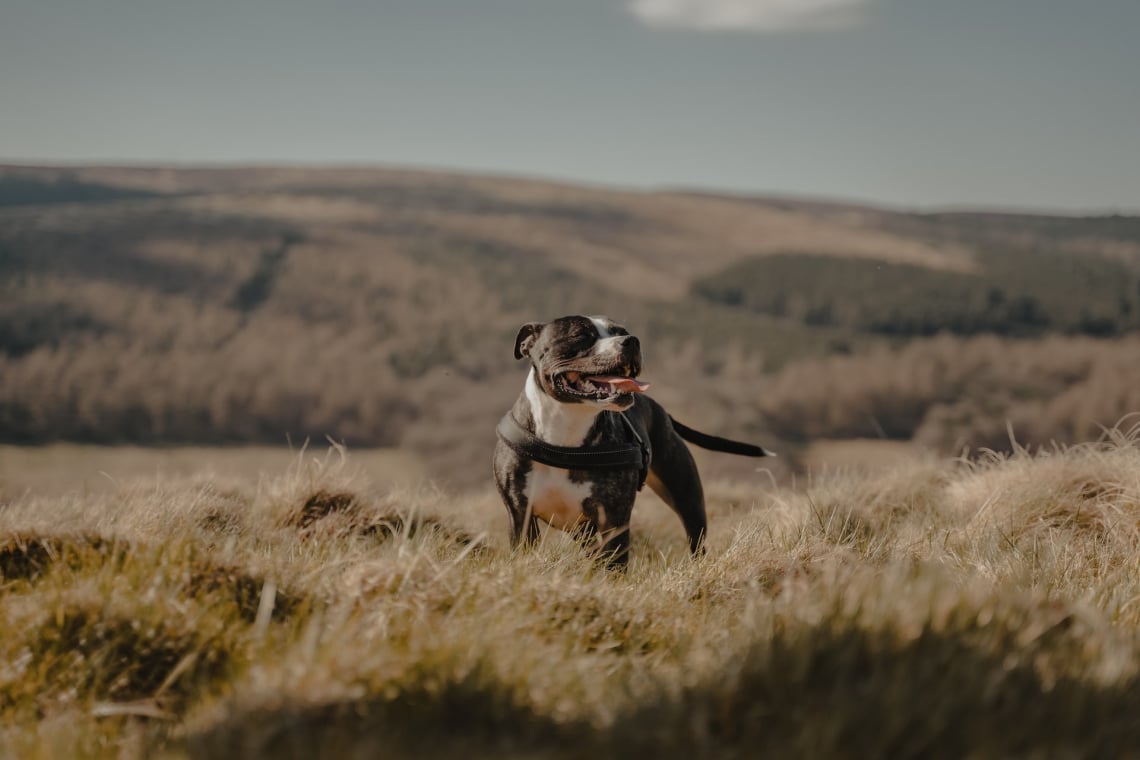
987, 607
59, 468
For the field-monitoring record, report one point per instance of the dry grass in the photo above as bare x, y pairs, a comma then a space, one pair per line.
56, 469
941, 608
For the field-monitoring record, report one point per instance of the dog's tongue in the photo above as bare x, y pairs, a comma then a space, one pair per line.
622, 384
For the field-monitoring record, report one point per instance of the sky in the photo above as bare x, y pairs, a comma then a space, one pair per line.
918, 104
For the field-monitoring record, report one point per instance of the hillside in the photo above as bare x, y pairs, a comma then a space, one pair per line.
940, 609
178, 305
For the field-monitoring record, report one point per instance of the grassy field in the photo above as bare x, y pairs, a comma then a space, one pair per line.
863, 595
935, 608
57, 469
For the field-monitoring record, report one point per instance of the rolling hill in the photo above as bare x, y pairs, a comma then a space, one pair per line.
233, 305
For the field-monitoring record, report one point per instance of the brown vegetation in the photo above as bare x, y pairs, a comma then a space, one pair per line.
982, 606
949, 393
162, 306
943, 609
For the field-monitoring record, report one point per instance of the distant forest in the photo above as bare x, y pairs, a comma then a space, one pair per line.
1018, 293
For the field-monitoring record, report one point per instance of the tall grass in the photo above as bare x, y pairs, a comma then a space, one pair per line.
986, 607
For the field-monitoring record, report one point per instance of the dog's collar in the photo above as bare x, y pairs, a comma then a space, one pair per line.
606, 456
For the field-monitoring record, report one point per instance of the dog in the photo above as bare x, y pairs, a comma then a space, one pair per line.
582, 438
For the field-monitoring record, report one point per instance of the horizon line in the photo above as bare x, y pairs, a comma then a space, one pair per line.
698, 189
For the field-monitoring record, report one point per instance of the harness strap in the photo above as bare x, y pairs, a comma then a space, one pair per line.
606, 456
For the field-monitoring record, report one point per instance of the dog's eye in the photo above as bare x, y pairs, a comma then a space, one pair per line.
582, 335
583, 344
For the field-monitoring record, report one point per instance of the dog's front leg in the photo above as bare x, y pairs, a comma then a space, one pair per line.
524, 526
607, 531
613, 547
510, 477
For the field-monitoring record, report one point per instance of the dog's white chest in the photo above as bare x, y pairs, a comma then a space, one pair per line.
553, 498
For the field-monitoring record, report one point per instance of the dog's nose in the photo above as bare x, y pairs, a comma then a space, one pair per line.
631, 352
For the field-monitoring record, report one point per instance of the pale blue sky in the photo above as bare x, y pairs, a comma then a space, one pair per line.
915, 103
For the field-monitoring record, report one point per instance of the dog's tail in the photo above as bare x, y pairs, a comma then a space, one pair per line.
715, 443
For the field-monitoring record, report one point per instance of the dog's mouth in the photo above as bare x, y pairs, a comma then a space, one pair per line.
602, 387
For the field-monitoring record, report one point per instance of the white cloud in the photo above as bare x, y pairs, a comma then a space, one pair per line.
746, 15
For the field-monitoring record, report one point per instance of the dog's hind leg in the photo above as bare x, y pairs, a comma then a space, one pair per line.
673, 476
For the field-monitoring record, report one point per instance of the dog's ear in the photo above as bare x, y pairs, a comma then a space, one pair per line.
528, 334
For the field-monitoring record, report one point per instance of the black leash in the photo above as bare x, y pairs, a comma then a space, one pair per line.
606, 456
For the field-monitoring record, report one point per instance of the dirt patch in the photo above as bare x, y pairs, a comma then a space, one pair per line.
81, 652
320, 505
342, 513
243, 588
26, 558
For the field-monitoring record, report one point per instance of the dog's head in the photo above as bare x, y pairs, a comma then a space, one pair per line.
583, 360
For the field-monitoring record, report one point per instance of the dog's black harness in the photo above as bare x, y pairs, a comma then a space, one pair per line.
634, 455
